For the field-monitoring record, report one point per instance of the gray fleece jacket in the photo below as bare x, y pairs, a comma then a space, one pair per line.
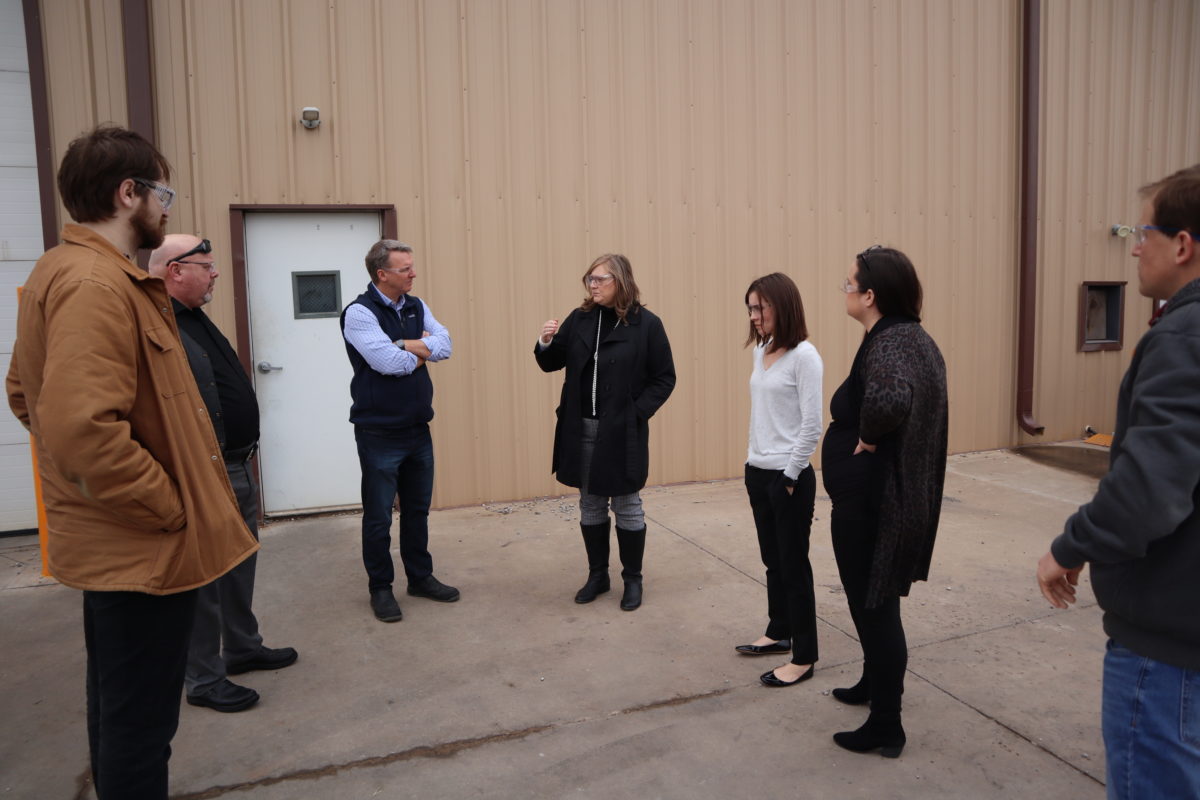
1141, 532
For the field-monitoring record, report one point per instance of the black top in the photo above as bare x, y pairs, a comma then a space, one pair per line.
239, 406
608, 322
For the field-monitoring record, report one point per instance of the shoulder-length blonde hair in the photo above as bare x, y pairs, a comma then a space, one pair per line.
628, 298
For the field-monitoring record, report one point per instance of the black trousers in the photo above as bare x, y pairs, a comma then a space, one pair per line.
854, 528
137, 647
783, 522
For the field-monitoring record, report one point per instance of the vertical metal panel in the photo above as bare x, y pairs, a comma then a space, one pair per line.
1117, 113
711, 141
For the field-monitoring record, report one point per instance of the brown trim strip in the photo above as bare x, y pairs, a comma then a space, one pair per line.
39, 91
1027, 249
139, 67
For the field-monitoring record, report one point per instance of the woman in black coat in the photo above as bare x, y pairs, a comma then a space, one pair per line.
619, 373
884, 463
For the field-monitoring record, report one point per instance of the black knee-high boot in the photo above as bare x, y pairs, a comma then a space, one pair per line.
595, 539
632, 545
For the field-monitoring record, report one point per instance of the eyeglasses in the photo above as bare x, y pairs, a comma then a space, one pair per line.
203, 249
848, 287
208, 265
165, 194
598, 280
1138, 233
404, 271
756, 309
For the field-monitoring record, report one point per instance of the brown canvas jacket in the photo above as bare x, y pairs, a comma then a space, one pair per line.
136, 493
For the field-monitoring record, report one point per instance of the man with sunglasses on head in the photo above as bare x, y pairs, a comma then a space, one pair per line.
139, 510
1141, 532
390, 336
225, 638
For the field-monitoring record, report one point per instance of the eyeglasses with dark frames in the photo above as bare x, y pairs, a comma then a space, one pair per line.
203, 249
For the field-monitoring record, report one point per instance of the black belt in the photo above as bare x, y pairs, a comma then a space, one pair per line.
241, 455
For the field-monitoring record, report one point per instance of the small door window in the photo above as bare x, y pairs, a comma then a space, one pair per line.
316, 295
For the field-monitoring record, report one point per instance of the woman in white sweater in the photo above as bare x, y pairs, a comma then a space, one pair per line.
785, 425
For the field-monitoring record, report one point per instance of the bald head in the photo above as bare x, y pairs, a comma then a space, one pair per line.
189, 275
174, 245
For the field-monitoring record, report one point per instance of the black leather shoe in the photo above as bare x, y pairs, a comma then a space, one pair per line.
782, 646
768, 678
597, 584
434, 589
384, 604
224, 695
265, 658
631, 598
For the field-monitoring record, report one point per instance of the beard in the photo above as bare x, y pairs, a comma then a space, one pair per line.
149, 231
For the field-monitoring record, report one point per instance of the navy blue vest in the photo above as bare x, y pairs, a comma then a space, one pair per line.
389, 401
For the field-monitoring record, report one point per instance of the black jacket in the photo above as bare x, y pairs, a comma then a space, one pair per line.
636, 376
1141, 532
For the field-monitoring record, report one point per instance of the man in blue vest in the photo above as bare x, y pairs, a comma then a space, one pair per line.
225, 638
390, 336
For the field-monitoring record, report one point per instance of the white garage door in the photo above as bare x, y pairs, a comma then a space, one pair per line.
20, 247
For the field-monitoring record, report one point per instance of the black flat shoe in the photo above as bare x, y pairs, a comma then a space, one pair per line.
782, 646
768, 678
226, 696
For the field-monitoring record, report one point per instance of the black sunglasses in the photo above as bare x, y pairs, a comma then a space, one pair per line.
861, 258
204, 248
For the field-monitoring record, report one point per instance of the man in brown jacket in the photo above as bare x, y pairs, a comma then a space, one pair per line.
139, 508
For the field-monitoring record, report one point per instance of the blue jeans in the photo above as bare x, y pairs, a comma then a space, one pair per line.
395, 463
1151, 718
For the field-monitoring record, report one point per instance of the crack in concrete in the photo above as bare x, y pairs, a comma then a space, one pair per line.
1023, 737
443, 750
674, 701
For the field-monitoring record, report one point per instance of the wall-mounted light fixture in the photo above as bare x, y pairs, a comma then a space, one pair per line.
310, 117
1121, 230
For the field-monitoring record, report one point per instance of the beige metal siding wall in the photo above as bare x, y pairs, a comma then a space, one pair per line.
709, 140
85, 68
1119, 109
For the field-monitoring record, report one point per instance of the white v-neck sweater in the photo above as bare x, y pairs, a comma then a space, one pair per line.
785, 410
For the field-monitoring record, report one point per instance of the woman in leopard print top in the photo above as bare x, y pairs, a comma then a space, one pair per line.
884, 463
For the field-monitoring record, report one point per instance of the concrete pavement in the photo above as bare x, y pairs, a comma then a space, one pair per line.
517, 692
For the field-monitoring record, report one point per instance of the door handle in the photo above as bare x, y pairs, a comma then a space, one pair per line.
267, 366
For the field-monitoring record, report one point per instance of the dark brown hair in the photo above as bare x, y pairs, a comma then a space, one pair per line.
95, 165
628, 298
780, 292
892, 277
1176, 201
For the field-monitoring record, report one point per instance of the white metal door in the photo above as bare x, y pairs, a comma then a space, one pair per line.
307, 455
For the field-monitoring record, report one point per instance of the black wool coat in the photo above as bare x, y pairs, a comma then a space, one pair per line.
636, 376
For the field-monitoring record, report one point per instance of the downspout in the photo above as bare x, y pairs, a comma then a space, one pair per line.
1027, 248
41, 122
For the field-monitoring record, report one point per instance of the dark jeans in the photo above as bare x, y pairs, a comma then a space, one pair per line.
783, 522
880, 633
395, 462
137, 648
225, 621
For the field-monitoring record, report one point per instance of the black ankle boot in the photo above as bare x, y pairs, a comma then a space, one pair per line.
595, 540
857, 695
881, 732
632, 545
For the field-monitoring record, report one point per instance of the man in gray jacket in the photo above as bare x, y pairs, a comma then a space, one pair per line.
1141, 532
